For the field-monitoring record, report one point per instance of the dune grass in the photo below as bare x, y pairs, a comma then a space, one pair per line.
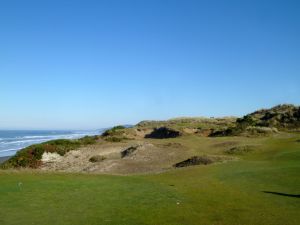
262, 188
30, 157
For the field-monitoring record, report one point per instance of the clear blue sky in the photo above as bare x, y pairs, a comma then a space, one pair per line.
91, 64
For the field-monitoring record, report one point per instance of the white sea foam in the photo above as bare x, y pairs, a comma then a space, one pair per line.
10, 150
39, 136
12, 144
24, 141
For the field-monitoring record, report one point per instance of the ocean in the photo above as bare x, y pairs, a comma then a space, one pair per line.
13, 140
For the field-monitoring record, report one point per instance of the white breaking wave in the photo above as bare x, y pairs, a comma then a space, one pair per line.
25, 141
33, 137
13, 144
10, 150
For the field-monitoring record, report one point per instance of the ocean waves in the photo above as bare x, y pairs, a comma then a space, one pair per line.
12, 141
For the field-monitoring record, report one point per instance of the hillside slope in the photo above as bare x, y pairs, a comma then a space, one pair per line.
282, 117
155, 146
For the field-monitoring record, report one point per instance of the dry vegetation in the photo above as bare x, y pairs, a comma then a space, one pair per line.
155, 146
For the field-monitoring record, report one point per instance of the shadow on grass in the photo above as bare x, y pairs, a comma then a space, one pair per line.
282, 194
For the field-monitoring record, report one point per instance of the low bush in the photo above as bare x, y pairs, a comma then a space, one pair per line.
113, 131
88, 140
97, 158
163, 132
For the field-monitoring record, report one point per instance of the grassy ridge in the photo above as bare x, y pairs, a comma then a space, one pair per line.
238, 192
32, 155
198, 124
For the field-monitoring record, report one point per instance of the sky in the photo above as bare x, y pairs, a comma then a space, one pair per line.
92, 64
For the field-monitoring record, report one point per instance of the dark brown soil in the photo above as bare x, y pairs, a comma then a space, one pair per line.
97, 158
195, 160
240, 149
127, 152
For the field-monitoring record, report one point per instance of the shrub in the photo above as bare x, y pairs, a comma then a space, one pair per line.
88, 140
163, 132
113, 131
97, 158
118, 127
244, 122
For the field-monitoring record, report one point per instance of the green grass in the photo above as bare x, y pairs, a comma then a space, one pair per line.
117, 130
229, 193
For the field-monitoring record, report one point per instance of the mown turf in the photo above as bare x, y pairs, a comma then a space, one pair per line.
262, 188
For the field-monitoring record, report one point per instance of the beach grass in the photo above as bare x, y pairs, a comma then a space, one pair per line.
31, 156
